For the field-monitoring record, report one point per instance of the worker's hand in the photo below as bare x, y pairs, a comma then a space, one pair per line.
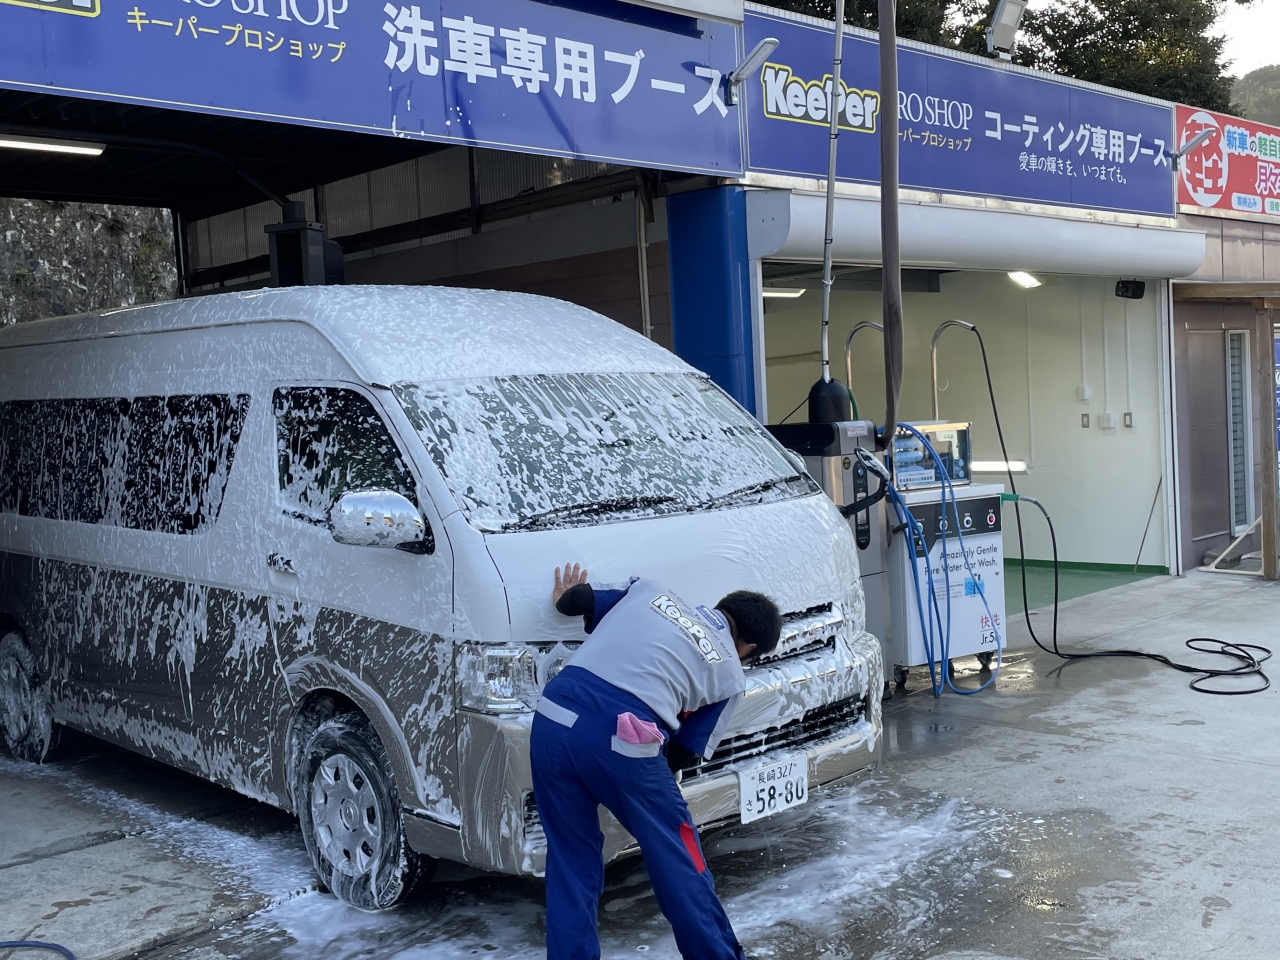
573, 575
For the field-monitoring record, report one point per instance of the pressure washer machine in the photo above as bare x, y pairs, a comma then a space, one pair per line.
932, 477
958, 548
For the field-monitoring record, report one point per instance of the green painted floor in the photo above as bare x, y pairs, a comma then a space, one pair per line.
1071, 583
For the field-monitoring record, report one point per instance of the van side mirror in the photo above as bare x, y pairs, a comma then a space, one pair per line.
380, 518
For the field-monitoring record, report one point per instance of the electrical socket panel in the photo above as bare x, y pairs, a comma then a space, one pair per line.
1107, 421
1084, 420
1128, 419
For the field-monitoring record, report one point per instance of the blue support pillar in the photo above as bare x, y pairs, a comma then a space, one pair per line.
711, 287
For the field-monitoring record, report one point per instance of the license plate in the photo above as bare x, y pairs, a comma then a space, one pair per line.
770, 787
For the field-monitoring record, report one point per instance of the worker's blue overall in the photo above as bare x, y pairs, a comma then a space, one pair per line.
672, 674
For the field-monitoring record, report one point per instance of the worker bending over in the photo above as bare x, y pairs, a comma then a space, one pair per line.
657, 677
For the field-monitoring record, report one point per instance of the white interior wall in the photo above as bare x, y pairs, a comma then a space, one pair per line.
1098, 484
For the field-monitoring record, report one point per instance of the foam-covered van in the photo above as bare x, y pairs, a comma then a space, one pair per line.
300, 542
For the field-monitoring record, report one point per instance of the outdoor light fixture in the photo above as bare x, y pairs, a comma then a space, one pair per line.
783, 293
80, 148
1023, 279
998, 466
755, 59
1191, 144
1004, 27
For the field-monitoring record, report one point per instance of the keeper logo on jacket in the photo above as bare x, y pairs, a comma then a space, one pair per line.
671, 610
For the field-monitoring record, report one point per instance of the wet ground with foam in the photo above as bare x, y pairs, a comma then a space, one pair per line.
1099, 809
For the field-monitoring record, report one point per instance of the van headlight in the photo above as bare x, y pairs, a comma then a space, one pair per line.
498, 679
854, 607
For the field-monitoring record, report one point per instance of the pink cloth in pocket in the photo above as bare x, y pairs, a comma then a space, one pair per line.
631, 729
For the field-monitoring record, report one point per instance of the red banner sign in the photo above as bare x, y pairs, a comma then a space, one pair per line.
1236, 168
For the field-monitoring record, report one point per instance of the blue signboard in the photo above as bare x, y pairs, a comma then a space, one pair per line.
596, 80
964, 126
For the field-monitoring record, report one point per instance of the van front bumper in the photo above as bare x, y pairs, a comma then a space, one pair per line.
501, 830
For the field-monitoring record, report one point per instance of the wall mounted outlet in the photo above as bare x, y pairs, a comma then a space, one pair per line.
1084, 420
1107, 421
1128, 419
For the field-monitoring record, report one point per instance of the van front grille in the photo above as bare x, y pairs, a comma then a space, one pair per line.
534, 836
818, 724
806, 631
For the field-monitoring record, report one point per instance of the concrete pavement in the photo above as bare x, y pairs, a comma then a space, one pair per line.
1096, 809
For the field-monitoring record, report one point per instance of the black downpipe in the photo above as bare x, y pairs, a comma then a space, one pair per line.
890, 254
181, 258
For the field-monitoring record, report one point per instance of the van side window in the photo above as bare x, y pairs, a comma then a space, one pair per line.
147, 463
329, 441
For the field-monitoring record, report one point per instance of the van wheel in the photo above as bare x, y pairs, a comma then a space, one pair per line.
351, 818
26, 719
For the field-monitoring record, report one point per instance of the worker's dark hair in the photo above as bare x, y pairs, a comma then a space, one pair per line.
756, 617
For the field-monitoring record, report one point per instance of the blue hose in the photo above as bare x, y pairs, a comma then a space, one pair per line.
939, 678
36, 945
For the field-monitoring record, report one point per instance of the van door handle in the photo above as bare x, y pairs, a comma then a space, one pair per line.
280, 564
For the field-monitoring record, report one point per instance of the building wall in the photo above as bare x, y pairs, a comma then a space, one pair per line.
607, 282
1236, 250
1098, 484
431, 185
585, 254
1197, 402
1239, 250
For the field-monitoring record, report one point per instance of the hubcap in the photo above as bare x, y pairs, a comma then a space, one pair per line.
15, 700
344, 811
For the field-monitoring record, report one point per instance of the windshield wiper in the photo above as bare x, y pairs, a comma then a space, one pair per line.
751, 488
587, 509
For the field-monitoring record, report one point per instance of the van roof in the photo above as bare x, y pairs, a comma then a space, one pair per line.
397, 333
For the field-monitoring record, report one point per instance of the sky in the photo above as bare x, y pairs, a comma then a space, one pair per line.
1251, 34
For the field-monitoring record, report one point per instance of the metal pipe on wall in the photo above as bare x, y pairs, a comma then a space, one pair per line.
181, 254
642, 264
828, 236
1106, 357
933, 358
890, 253
1264, 338
848, 348
1083, 392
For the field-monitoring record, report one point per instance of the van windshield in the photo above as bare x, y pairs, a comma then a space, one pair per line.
531, 452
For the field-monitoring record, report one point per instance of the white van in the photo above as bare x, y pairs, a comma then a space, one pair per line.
300, 542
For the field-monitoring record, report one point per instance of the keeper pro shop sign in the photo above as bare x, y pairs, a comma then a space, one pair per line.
1237, 168
966, 125
606, 81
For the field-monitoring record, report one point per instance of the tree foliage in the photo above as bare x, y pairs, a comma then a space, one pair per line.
1258, 95
1160, 48
925, 20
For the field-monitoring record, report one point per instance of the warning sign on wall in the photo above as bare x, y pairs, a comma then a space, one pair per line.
1236, 168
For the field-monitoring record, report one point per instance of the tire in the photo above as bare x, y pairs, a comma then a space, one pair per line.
350, 816
26, 717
